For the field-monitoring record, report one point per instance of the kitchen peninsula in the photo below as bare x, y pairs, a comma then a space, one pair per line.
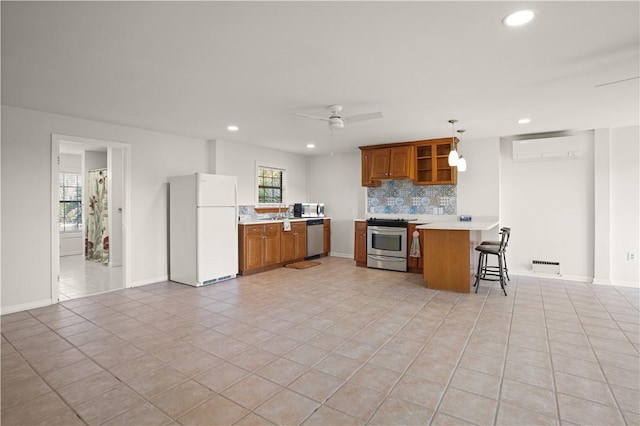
448, 250
447, 258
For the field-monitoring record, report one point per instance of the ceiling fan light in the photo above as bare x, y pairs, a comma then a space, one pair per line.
462, 164
453, 158
336, 123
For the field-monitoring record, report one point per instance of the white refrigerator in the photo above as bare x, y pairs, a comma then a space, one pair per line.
203, 228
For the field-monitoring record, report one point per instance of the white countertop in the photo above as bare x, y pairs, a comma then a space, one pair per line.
445, 222
473, 225
265, 221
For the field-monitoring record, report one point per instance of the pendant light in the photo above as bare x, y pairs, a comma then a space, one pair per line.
453, 154
462, 162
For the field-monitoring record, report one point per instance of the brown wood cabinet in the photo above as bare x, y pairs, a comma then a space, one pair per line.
259, 246
432, 162
391, 163
365, 165
293, 243
327, 236
426, 162
360, 243
451, 260
414, 264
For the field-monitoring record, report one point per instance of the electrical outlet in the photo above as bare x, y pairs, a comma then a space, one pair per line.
631, 255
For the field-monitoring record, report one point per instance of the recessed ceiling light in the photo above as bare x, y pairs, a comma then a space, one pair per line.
518, 18
310, 145
524, 121
232, 128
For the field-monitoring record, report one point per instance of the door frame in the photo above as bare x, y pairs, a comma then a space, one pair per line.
56, 139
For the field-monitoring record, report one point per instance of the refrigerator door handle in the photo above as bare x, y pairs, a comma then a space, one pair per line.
235, 189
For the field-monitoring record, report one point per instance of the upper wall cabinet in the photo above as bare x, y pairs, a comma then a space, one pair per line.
426, 162
432, 163
391, 163
366, 164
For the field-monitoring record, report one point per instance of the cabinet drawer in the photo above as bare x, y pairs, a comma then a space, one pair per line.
299, 227
252, 229
272, 229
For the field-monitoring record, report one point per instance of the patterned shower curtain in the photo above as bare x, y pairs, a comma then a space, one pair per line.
96, 242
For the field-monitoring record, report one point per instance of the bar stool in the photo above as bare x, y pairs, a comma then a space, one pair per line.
492, 273
504, 257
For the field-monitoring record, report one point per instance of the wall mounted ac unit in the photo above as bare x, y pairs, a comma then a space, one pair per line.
556, 147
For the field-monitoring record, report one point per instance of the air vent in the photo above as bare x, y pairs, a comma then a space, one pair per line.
545, 267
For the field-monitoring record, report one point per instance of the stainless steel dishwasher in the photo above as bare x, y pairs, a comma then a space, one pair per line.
315, 238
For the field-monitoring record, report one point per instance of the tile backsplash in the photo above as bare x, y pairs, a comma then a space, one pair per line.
247, 210
403, 197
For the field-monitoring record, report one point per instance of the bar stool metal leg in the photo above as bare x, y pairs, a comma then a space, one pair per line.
501, 271
476, 284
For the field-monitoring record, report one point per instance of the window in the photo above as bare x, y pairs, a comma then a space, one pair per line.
70, 207
270, 187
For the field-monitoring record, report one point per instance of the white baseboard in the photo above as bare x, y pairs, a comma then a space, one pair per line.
150, 281
552, 276
633, 284
26, 306
601, 281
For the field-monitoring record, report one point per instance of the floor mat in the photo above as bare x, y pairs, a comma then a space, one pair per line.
303, 264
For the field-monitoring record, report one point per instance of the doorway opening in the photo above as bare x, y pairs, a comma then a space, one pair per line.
90, 199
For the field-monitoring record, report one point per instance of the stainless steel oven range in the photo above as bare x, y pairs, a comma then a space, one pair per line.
387, 244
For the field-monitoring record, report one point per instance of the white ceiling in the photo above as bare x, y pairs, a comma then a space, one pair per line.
192, 68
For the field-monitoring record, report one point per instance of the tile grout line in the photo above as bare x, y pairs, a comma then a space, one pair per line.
613, 395
553, 374
53, 390
369, 358
309, 368
506, 351
113, 304
456, 365
395, 383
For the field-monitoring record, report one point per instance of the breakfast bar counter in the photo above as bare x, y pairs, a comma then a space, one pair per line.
448, 250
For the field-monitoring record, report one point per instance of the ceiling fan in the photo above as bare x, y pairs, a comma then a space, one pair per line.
336, 121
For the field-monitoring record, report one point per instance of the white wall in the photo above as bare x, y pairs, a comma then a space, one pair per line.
625, 205
335, 181
479, 186
237, 159
548, 203
26, 221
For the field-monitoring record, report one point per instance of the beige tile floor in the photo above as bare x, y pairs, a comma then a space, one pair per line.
330, 345
80, 277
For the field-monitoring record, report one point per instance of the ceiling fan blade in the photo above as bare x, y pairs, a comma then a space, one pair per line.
617, 81
312, 116
362, 117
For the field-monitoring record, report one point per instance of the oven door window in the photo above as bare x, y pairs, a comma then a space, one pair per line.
386, 242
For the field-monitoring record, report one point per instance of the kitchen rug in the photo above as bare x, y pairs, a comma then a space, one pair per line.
303, 264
